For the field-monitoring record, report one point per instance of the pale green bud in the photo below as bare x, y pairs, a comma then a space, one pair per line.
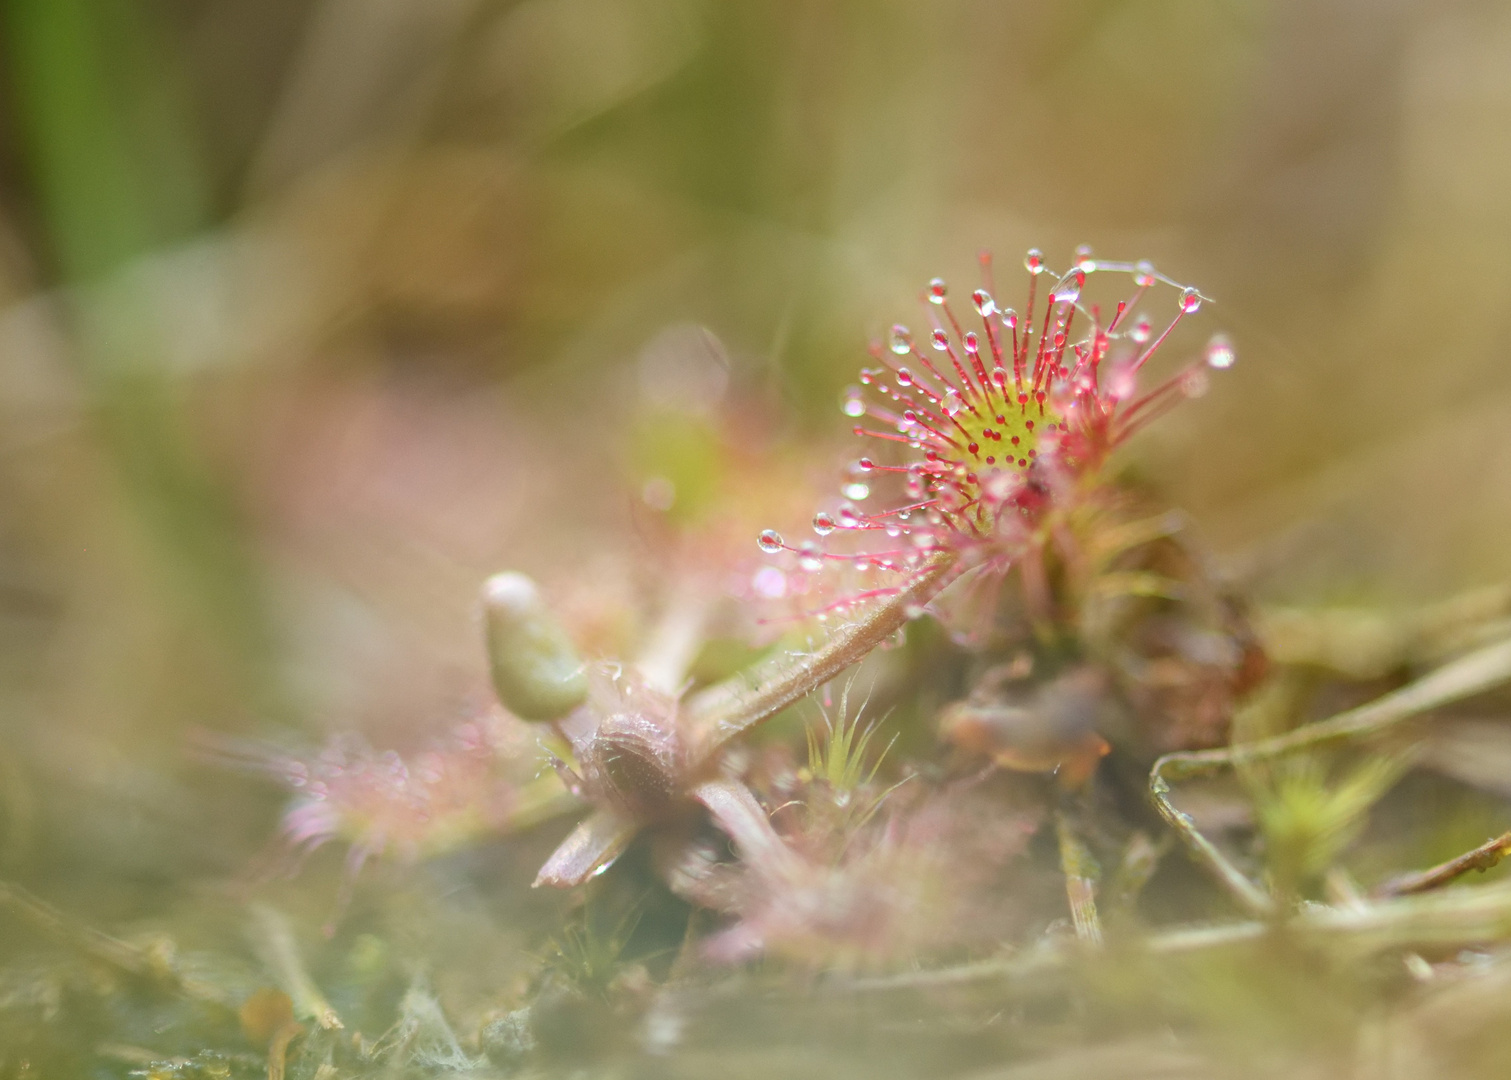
536, 672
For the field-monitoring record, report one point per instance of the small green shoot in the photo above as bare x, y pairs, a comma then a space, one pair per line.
588, 954
837, 756
1308, 818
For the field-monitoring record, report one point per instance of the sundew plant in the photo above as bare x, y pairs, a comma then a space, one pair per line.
996, 766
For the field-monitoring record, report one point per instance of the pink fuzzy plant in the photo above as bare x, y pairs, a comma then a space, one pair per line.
384, 804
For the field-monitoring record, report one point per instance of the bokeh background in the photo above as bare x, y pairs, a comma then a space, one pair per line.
315, 312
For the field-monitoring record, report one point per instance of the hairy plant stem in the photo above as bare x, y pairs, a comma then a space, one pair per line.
1475, 673
723, 712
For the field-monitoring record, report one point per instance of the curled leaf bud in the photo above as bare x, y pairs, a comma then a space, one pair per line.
633, 762
536, 672
637, 762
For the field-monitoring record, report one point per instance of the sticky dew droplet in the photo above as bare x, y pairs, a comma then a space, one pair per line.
857, 490
1033, 262
902, 340
937, 291
770, 541
1190, 301
985, 305
851, 403
1069, 290
823, 523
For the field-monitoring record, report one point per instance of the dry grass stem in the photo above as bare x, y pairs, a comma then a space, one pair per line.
1482, 858
1473, 674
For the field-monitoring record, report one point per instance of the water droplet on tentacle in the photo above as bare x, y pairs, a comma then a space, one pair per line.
770, 541
1069, 290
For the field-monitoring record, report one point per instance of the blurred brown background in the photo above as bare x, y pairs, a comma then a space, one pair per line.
313, 312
